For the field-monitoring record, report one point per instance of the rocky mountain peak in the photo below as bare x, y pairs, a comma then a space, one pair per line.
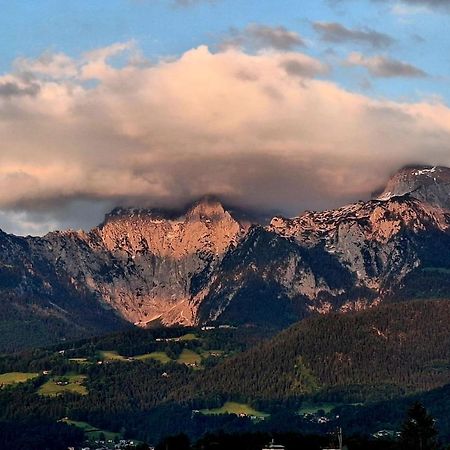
205, 262
203, 226
430, 184
207, 208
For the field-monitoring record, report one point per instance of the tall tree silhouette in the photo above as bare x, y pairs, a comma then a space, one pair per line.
419, 431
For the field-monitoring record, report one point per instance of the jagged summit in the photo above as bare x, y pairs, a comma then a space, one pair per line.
430, 184
205, 206
205, 263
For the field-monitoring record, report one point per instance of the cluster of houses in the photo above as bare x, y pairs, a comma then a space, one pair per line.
315, 418
122, 444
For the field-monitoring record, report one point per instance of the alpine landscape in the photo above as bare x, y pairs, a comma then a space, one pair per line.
233, 235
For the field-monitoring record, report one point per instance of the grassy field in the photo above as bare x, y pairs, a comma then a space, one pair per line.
189, 337
111, 356
212, 353
52, 389
79, 360
189, 357
16, 377
185, 338
91, 432
157, 356
314, 408
235, 408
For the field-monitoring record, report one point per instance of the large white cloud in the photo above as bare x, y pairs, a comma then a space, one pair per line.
259, 130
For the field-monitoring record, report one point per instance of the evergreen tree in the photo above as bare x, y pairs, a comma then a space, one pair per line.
180, 442
419, 431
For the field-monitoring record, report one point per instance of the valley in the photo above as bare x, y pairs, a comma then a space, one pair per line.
322, 372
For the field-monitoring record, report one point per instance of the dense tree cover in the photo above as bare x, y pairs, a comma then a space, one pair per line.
42, 435
31, 325
380, 354
127, 397
256, 441
390, 414
383, 352
32, 321
419, 431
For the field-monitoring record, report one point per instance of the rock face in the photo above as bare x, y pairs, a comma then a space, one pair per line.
344, 259
207, 264
139, 266
428, 184
152, 259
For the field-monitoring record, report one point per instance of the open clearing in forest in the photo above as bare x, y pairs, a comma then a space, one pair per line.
109, 355
161, 357
16, 377
235, 408
92, 433
189, 357
67, 383
314, 408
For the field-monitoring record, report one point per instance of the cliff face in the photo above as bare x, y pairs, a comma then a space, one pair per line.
206, 264
343, 259
141, 263
426, 183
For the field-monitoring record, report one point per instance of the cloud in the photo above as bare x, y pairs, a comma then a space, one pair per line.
384, 67
51, 65
402, 9
13, 89
259, 36
303, 67
409, 7
338, 33
255, 129
427, 3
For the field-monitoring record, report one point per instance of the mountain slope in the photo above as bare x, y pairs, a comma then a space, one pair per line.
39, 305
343, 259
381, 352
346, 360
210, 264
425, 183
135, 267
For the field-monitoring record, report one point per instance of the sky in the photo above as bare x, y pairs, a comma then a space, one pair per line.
276, 105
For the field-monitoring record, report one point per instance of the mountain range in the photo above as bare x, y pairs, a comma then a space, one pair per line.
211, 264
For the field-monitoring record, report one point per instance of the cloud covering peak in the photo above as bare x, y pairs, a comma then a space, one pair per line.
259, 130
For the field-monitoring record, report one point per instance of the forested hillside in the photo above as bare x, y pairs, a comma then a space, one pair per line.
385, 351
322, 372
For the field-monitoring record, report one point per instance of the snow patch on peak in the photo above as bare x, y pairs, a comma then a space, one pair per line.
424, 171
429, 184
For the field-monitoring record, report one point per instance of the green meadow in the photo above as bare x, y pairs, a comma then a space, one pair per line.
111, 356
74, 384
189, 357
314, 408
92, 433
161, 357
16, 377
235, 408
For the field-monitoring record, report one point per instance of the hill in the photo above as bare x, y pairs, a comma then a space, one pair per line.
391, 350
348, 365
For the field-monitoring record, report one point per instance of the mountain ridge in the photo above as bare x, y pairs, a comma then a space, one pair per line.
208, 263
